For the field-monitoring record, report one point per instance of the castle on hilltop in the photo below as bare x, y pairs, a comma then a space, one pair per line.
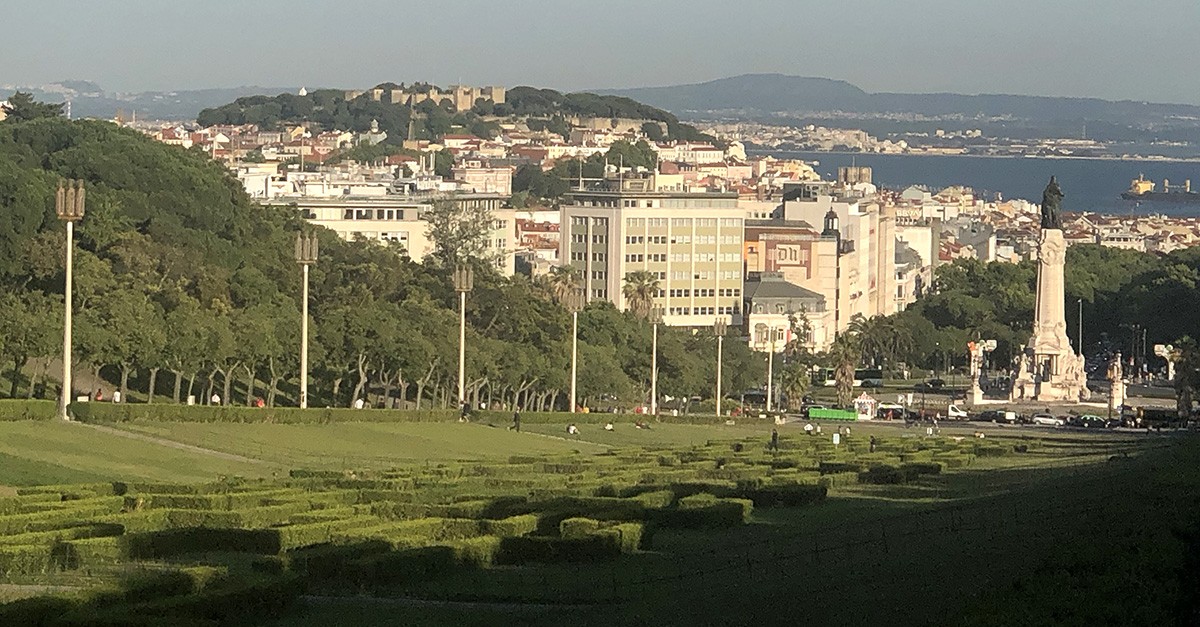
462, 97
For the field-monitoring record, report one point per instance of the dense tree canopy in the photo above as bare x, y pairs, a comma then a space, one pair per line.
178, 272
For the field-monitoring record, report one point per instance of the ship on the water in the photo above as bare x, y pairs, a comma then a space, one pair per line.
1141, 189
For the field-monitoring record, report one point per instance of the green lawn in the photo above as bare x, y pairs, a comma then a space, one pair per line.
48, 452
361, 445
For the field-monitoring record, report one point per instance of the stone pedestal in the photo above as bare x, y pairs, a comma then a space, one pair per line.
1050, 369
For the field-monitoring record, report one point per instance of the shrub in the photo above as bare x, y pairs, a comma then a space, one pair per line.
786, 495
74, 512
173, 542
40, 610
93, 552
511, 526
333, 561
479, 552
705, 511
26, 560
838, 479
631, 536
575, 528
20, 409
881, 474
915, 469
830, 468
534, 549
656, 499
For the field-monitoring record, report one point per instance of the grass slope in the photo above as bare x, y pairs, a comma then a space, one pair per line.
47, 452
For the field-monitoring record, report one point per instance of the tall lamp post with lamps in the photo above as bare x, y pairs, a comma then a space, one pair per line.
719, 330
306, 255
69, 206
656, 315
574, 304
464, 281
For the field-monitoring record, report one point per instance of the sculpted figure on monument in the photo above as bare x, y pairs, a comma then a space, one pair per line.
1051, 205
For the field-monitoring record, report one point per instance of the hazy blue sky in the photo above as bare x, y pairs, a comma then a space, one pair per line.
1103, 48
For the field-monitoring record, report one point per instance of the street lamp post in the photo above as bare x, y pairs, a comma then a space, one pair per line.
574, 303
69, 205
655, 318
770, 368
464, 280
719, 330
306, 255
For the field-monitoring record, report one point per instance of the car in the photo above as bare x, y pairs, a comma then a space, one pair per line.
1046, 420
991, 415
1008, 417
932, 385
1089, 421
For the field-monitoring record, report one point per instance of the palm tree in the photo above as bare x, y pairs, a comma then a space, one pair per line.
793, 382
640, 289
845, 353
562, 282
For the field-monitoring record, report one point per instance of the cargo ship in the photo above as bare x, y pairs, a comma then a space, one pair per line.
1141, 189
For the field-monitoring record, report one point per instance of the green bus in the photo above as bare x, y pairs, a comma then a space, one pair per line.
822, 413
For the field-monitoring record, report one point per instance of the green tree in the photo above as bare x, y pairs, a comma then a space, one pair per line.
22, 107
459, 233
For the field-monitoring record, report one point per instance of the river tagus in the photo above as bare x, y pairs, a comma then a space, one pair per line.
1089, 184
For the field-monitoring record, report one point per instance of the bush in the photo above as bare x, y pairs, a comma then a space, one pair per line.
541, 549
93, 552
20, 409
705, 511
882, 474
511, 526
830, 468
173, 542
838, 479
26, 560
631, 536
75, 512
915, 469
40, 610
655, 500
576, 528
786, 495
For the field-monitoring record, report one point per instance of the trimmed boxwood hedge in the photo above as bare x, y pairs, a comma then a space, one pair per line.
22, 409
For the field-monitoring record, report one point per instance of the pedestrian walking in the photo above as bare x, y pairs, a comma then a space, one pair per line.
872, 444
516, 425
774, 445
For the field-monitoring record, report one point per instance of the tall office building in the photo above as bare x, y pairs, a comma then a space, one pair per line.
691, 241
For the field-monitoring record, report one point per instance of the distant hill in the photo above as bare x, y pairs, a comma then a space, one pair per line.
766, 93
89, 100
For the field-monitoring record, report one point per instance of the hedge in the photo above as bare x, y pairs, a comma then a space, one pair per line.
93, 552
786, 495
705, 511
26, 560
22, 409
127, 412
543, 549
511, 526
577, 528
77, 512
91, 530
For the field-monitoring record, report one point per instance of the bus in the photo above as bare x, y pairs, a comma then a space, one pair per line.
863, 377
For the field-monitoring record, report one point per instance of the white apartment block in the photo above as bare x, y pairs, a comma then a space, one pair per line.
401, 219
691, 241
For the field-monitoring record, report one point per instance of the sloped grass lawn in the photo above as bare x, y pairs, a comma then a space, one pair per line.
47, 452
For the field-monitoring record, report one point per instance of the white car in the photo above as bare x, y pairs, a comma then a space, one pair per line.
1047, 420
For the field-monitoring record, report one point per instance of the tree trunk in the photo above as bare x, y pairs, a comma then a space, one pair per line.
228, 389
249, 384
212, 382
178, 385
153, 382
191, 383
337, 389
385, 379
361, 368
17, 363
33, 379
274, 382
422, 382
125, 370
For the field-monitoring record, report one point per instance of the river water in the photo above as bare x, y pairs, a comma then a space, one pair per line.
1089, 184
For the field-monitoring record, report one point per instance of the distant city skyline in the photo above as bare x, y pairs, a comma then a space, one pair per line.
1111, 49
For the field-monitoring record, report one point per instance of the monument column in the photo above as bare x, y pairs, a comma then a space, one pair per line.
1051, 370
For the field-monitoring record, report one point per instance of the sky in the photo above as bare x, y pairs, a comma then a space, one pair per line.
1114, 49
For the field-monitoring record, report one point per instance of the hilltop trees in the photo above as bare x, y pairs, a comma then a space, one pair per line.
22, 107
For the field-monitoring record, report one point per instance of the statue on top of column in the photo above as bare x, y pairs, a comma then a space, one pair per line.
1052, 205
